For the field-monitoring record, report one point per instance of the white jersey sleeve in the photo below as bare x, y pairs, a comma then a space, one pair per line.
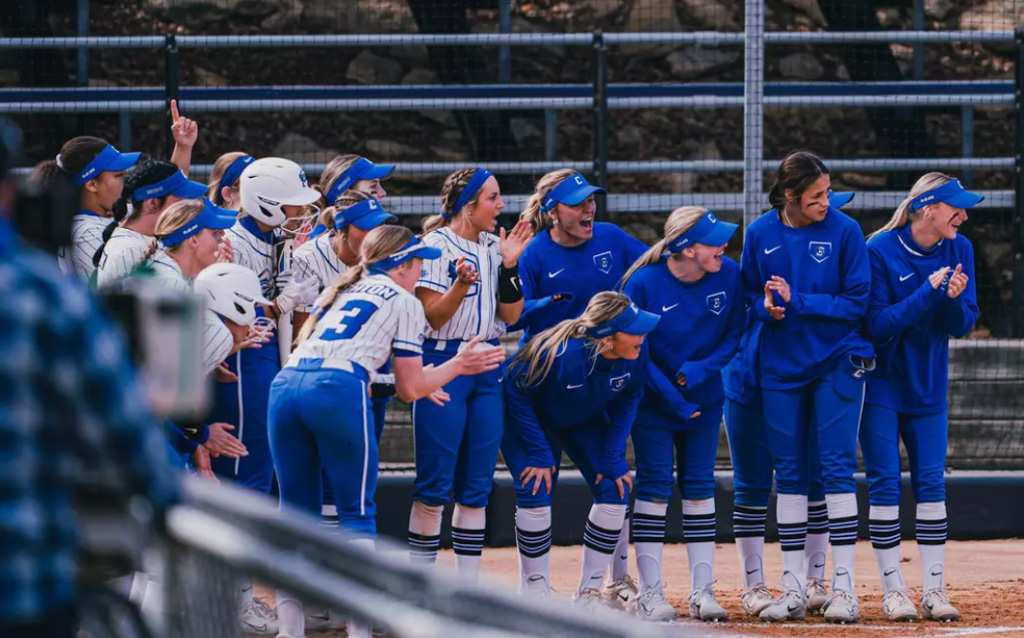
217, 341
256, 253
316, 259
411, 323
86, 239
121, 255
438, 274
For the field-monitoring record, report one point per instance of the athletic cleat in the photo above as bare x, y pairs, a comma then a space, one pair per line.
704, 606
789, 605
898, 607
935, 605
536, 587
843, 607
587, 600
257, 618
621, 594
756, 599
651, 605
817, 595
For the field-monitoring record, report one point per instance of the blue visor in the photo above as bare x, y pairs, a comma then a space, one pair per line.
708, 231
571, 191
361, 169
632, 321
412, 249
838, 200
109, 159
364, 215
952, 193
177, 185
212, 216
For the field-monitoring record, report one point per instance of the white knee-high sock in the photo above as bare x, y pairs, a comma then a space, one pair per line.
649, 539
816, 546
884, 523
842, 524
424, 532
620, 561
748, 528
791, 511
931, 542
468, 525
699, 534
291, 617
599, 539
533, 539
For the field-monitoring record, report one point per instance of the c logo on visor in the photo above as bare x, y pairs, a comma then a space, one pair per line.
578, 179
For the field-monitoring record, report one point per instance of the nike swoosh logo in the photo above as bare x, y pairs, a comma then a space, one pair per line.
552, 275
793, 607
573, 387
667, 308
819, 566
624, 597
752, 571
890, 572
768, 251
906, 277
258, 628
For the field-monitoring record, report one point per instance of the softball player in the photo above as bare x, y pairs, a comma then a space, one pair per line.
358, 323
922, 292
807, 276
222, 188
343, 174
753, 474
472, 290
151, 187
686, 279
575, 387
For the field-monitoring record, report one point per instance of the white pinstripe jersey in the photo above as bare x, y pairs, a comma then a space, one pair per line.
366, 323
217, 341
317, 259
121, 254
255, 253
478, 312
167, 273
86, 239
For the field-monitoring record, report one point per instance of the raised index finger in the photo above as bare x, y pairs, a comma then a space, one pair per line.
174, 111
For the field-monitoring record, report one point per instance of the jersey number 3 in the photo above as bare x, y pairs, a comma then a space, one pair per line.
351, 318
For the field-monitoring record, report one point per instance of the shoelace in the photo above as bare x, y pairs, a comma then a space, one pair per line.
901, 596
759, 590
940, 594
654, 593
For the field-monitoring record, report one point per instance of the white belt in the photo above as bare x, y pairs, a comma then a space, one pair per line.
331, 364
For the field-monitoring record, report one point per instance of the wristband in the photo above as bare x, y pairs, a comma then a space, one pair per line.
382, 390
510, 289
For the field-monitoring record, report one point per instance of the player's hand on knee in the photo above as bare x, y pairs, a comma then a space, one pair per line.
537, 475
221, 443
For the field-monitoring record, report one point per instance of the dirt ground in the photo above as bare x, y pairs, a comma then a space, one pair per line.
985, 581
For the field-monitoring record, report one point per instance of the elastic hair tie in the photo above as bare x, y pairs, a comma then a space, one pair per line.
60, 161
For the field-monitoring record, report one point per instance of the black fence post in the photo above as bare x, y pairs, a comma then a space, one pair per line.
601, 121
1017, 308
172, 80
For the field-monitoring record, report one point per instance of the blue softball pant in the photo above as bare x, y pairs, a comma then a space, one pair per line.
752, 472
925, 437
655, 437
457, 445
380, 408
583, 444
244, 404
309, 431
830, 406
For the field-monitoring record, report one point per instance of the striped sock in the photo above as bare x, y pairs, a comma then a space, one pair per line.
649, 537
748, 528
699, 535
468, 524
423, 548
424, 532
842, 525
791, 512
931, 542
599, 539
533, 538
816, 546
884, 523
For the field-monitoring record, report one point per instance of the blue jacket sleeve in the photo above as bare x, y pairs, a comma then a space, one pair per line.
753, 283
886, 318
697, 372
672, 401
959, 315
621, 415
523, 418
852, 303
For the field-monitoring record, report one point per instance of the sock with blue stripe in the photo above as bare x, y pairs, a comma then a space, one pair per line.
884, 523
468, 525
424, 532
599, 540
699, 534
620, 562
791, 512
931, 542
842, 526
816, 545
649, 540
748, 528
533, 539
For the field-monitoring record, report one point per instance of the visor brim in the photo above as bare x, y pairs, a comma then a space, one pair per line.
377, 171
838, 200
122, 162
965, 199
373, 220
720, 234
189, 190
220, 222
579, 195
644, 323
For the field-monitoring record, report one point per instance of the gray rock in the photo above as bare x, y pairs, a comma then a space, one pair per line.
360, 16
888, 18
370, 68
651, 15
811, 9
302, 150
680, 182
712, 15
205, 77
801, 66
524, 130
938, 9
644, 232
426, 76
994, 15
695, 61
631, 136
194, 11
386, 150
707, 151
450, 153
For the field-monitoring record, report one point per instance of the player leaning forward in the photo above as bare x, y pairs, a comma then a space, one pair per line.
806, 273
922, 292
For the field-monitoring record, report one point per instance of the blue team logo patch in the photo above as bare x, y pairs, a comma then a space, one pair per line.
819, 250
453, 274
617, 383
302, 176
716, 302
603, 261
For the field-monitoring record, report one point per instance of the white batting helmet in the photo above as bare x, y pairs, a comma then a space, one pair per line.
232, 291
270, 183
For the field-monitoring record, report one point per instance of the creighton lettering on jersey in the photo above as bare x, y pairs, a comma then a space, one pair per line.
478, 312
254, 249
317, 259
365, 324
86, 238
121, 255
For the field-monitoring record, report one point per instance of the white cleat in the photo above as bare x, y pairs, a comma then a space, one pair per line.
817, 595
704, 606
587, 600
935, 605
621, 594
536, 587
756, 599
898, 607
257, 618
790, 604
651, 605
843, 607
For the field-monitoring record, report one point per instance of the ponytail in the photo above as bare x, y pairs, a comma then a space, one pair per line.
532, 213
154, 246
679, 221
904, 213
450, 193
649, 258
